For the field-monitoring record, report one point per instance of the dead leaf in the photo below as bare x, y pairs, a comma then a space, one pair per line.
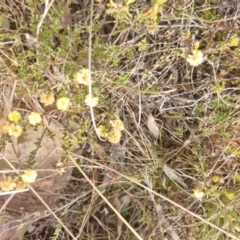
152, 126
172, 174
30, 40
125, 200
117, 204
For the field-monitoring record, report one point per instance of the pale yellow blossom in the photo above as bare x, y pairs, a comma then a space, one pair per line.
60, 168
14, 116
7, 184
234, 41
196, 58
217, 179
114, 136
47, 98
4, 126
198, 193
83, 76
196, 45
229, 195
20, 185
91, 101
34, 118
102, 131
29, 176
15, 130
117, 125
63, 103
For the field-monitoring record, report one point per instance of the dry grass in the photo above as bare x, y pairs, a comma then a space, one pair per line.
175, 172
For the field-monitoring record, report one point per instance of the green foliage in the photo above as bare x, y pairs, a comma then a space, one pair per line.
57, 233
169, 59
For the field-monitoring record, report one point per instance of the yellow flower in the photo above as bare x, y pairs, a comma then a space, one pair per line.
34, 118
20, 185
60, 168
217, 179
219, 87
63, 103
187, 35
198, 193
102, 131
233, 42
229, 195
117, 125
114, 136
83, 76
196, 58
91, 101
47, 98
196, 45
4, 126
29, 176
14, 116
7, 184
15, 130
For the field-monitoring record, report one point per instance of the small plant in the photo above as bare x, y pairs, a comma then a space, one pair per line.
134, 108
63, 103
195, 59
114, 133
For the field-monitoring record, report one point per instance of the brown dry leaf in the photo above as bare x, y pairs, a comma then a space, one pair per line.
173, 175
120, 204
152, 126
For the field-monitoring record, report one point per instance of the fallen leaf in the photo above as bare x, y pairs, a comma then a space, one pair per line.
152, 126
117, 204
172, 174
30, 40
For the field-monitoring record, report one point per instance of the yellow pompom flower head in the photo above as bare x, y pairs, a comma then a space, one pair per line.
29, 176
93, 102
63, 103
47, 98
233, 41
196, 58
117, 125
83, 76
14, 116
102, 131
4, 126
34, 118
113, 134
20, 185
217, 179
7, 184
199, 194
15, 130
